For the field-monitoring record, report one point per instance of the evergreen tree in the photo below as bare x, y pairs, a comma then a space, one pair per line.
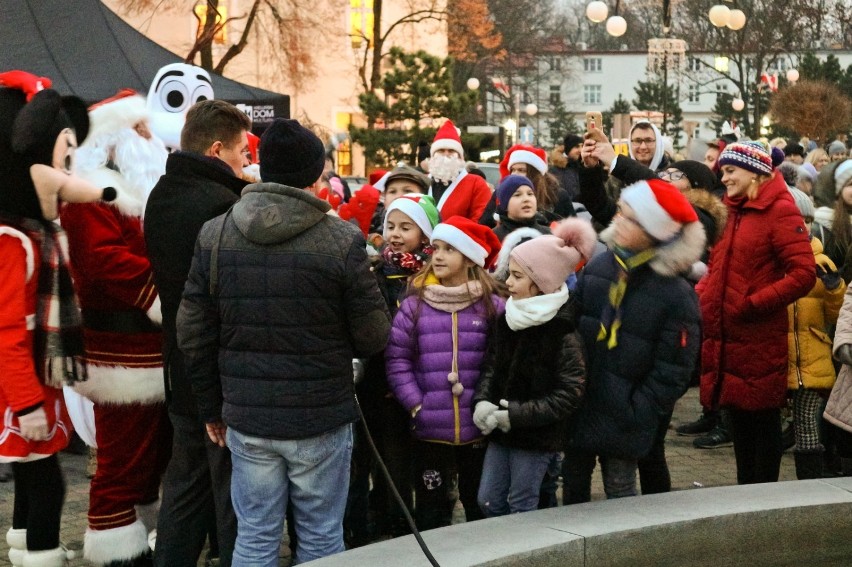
619, 106
560, 123
655, 95
723, 112
417, 89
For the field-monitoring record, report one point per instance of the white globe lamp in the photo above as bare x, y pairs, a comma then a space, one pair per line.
473, 83
616, 26
596, 11
719, 15
531, 109
738, 104
736, 20
792, 75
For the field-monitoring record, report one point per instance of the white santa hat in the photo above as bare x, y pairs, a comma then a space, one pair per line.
447, 138
124, 110
660, 209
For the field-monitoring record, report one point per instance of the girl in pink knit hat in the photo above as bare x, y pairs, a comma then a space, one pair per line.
535, 375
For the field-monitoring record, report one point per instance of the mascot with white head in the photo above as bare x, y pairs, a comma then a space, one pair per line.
173, 91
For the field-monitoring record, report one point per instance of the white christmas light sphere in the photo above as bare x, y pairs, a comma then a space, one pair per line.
720, 15
736, 20
738, 104
616, 26
792, 75
596, 11
531, 109
473, 83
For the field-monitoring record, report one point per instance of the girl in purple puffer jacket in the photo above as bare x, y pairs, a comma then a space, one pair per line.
433, 359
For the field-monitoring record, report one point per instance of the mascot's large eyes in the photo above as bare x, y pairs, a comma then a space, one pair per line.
202, 92
174, 96
63, 151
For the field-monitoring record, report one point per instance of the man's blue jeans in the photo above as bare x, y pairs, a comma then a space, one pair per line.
511, 480
313, 473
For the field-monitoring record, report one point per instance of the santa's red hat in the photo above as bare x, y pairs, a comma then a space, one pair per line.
253, 145
659, 207
475, 241
447, 138
123, 110
524, 153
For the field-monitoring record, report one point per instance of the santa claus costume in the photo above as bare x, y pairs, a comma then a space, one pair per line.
121, 329
456, 192
40, 334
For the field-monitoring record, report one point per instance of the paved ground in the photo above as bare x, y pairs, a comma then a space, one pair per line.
690, 468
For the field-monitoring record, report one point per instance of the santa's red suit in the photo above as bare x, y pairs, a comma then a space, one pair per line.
20, 387
123, 341
467, 196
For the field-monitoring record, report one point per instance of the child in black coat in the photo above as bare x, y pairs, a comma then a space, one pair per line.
535, 377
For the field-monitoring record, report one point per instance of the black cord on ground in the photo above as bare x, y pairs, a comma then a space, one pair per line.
395, 492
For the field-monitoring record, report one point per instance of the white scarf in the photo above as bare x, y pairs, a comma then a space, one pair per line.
524, 313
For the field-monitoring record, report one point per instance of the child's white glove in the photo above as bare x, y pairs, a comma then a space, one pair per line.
502, 417
481, 413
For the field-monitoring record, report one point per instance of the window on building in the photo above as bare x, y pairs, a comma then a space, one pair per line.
361, 22
200, 11
693, 64
721, 91
591, 94
693, 94
555, 95
555, 63
592, 64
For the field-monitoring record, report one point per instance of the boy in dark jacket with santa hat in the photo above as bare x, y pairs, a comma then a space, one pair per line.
639, 322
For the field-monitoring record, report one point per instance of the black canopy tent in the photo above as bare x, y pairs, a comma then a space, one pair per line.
89, 51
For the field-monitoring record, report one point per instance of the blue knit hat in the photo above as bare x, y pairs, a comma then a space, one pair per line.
507, 188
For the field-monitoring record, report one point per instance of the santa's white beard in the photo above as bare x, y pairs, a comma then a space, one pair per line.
445, 168
141, 162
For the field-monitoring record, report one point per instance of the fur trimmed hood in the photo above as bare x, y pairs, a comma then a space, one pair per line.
713, 206
674, 258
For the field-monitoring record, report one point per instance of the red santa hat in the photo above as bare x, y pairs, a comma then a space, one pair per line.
124, 110
447, 138
660, 208
477, 242
524, 153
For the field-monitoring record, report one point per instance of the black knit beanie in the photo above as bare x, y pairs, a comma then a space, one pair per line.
698, 174
570, 141
290, 154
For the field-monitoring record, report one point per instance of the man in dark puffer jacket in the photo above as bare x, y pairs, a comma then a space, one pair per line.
279, 301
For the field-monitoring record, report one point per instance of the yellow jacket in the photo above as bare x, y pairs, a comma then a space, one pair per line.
809, 362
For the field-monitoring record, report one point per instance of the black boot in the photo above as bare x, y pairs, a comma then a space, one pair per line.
845, 466
140, 561
808, 465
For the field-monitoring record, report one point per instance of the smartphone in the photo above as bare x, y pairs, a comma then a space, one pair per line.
594, 121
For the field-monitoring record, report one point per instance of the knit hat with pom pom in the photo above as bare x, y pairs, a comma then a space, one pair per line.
549, 259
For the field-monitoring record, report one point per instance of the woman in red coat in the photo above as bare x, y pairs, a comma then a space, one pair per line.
762, 263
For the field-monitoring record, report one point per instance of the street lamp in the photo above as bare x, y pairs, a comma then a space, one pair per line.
719, 15
616, 26
473, 83
792, 75
531, 109
736, 20
596, 11
738, 104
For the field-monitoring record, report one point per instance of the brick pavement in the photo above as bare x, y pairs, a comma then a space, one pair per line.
688, 466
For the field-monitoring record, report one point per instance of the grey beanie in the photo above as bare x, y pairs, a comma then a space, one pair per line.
836, 147
803, 201
842, 175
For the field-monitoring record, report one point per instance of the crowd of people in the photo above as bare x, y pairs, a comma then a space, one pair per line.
217, 321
